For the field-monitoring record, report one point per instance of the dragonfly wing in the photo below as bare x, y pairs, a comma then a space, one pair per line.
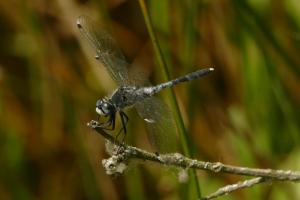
107, 52
160, 124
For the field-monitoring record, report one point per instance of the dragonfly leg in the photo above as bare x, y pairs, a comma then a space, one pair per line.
124, 120
110, 124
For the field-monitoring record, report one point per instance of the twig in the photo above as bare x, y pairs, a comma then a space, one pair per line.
239, 185
126, 152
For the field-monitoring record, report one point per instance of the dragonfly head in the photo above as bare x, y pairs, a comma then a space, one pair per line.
104, 107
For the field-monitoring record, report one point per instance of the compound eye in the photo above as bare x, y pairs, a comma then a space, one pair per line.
99, 103
102, 108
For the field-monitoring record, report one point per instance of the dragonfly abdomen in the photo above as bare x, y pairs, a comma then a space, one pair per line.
188, 77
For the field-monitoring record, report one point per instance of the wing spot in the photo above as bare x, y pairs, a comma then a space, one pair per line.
149, 120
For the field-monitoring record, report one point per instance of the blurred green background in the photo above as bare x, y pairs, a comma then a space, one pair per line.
246, 113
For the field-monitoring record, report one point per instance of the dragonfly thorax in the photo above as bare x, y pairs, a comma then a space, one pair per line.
127, 96
105, 107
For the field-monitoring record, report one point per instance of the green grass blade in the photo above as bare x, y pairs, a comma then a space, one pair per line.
171, 96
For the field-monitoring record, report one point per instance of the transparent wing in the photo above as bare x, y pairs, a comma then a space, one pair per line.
106, 49
161, 127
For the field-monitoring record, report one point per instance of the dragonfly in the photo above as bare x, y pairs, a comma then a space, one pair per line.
128, 94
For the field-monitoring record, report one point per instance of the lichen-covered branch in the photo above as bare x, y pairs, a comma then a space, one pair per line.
125, 152
239, 185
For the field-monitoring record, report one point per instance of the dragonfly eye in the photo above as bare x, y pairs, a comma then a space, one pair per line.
103, 107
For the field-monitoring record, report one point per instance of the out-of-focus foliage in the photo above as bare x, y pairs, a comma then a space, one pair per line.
246, 113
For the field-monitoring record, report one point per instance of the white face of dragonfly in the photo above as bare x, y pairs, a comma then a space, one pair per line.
103, 107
